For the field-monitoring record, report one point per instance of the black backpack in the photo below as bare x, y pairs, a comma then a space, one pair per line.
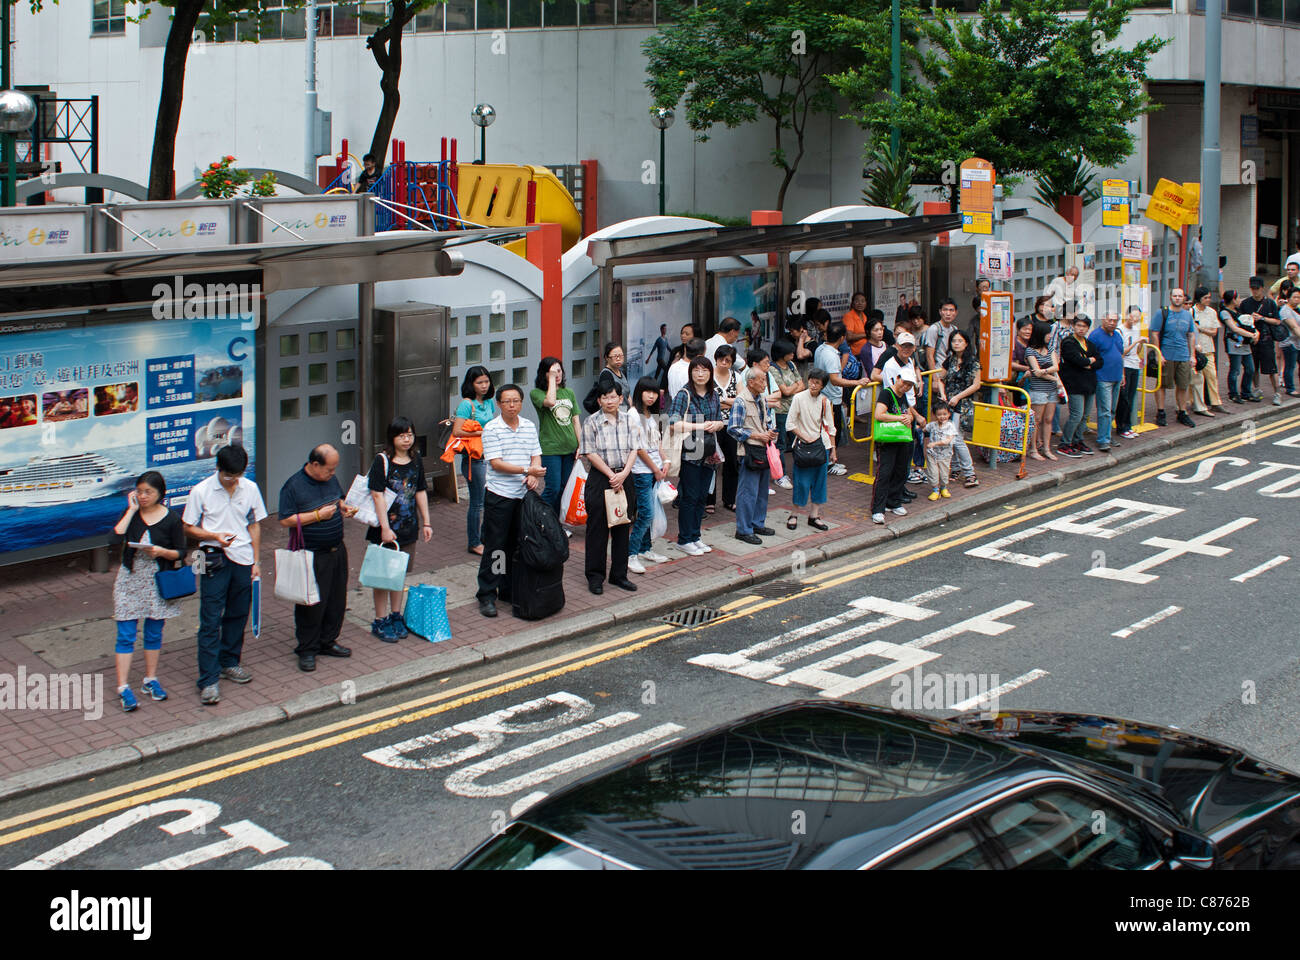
542, 543
592, 401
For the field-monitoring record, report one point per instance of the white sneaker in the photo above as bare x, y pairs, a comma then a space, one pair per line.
838, 470
704, 547
784, 483
634, 565
899, 511
692, 549
653, 557
877, 518
1277, 401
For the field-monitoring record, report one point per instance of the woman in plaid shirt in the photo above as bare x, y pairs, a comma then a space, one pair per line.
697, 412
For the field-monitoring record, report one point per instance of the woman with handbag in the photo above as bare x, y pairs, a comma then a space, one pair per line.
696, 412
1205, 376
958, 387
477, 405
398, 467
892, 428
649, 468
1044, 388
812, 428
136, 591
789, 384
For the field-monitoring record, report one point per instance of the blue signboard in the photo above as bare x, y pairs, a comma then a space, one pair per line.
85, 410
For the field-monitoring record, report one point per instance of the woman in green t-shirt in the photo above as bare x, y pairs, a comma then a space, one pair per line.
557, 427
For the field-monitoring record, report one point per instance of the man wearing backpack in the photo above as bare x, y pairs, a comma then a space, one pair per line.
1173, 331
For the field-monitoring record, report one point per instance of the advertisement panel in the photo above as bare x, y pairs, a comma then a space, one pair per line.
187, 227
39, 235
318, 218
895, 283
750, 297
646, 305
85, 410
997, 328
832, 283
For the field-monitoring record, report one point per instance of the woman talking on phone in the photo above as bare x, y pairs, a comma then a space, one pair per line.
154, 533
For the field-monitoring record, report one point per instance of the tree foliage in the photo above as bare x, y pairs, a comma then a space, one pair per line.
1021, 85
890, 176
736, 62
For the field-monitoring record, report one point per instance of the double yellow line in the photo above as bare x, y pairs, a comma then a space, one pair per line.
153, 788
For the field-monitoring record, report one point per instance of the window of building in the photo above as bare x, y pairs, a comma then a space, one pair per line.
491, 14
460, 14
598, 13
525, 13
561, 13
636, 11
107, 18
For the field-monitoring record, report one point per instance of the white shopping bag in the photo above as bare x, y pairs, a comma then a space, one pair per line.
359, 497
295, 577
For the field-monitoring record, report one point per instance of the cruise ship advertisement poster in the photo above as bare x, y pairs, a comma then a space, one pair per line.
86, 410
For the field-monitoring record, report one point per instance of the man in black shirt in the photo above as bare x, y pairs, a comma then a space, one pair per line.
312, 497
369, 174
1263, 311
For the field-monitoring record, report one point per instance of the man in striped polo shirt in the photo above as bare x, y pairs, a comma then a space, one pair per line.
514, 458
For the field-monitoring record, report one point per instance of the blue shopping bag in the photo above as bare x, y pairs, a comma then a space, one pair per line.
384, 568
426, 612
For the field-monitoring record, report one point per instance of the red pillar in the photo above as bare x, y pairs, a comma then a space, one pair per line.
766, 218
1071, 208
937, 208
590, 176
544, 249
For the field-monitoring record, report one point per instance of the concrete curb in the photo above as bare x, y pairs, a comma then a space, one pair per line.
633, 609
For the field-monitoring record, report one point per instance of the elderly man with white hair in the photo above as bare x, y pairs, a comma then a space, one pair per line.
749, 426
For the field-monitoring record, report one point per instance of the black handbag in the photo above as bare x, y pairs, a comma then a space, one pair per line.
809, 454
1201, 361
756, 456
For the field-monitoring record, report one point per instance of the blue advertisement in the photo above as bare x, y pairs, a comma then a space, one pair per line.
751, 299
84, 411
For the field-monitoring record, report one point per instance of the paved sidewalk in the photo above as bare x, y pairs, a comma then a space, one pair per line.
57, 617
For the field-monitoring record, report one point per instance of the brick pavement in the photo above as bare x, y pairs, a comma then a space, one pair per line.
56, 617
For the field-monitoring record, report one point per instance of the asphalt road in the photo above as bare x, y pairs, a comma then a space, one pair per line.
1146, 594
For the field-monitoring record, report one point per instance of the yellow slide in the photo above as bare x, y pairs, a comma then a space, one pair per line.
496, 195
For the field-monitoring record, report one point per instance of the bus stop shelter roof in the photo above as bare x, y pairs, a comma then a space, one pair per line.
284, 266
734, 241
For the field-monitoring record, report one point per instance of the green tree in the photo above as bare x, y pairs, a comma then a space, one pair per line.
889, 182
740, 61
1021, 85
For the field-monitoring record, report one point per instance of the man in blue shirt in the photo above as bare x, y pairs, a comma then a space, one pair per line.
1110, 344
1174, 332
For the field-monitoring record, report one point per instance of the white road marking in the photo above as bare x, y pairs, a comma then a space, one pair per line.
1172, 549
1204, 469
1150, 621
1127, 515
1275, 488
1291, 441
199, 813
1267, 469
1263, 567
985, 624
999, 690
243, 835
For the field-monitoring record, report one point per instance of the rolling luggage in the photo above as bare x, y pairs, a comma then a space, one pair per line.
536, 593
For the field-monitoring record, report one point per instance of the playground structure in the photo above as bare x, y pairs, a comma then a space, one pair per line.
445, 195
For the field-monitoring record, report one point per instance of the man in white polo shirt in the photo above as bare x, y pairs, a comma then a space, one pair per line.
514, 458
222, 513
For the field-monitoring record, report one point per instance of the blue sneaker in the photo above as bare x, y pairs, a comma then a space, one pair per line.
397, 624
154, 689
129, 702
384, 629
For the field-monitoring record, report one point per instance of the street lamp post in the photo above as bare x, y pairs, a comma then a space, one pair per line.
483, 116
17, 113
662, 118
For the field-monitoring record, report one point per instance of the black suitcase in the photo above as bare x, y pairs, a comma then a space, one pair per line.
536, 594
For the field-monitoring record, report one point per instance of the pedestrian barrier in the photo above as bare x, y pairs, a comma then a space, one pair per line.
987, 431
872, 388
1142, 425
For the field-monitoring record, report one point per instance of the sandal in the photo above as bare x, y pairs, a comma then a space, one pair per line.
817, 523
792, 523
972, 481
477, 551
710, 509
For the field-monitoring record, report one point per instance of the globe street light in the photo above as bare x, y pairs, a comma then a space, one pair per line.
483, 116
17, 114
662, 118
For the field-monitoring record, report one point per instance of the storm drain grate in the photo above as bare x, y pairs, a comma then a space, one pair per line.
691, 616
776, 589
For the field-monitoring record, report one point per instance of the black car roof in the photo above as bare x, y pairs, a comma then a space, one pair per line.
805, 785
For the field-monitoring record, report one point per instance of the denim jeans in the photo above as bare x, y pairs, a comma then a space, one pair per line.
1126, 409
962, 464
1107, 391
751, 499
1245, 364
1289, 357
224, 599
475, 471
1073, 430
126, 632
558, 467
643, 484
692, 487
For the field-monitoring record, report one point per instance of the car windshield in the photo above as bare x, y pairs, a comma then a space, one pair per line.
522, 847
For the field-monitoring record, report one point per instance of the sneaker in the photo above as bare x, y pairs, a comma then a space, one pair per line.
1255, 398
634, 565
1235, 399
838, 469
383, 629
933, 496
690, 548
1103, 447
210, 695
1129, 435
916, 476
1066, 450
945, 494
397, 626
1083, 448
784, 483
129, 702
653, 557
1160, 418
1277, 401
704, 547
236, 673
899, 511
877, 518
154, 689
770, 491
1185, 419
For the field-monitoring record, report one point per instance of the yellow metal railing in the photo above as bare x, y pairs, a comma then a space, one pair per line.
1142, 425
870, 439
988, 423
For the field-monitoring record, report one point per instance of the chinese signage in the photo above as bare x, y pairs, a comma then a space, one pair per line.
996, 332
1173, 204
315, 219
977, 180
26, 235
1114, 203
995, 260
85, 410
1131, 242
832, 283
176, 228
